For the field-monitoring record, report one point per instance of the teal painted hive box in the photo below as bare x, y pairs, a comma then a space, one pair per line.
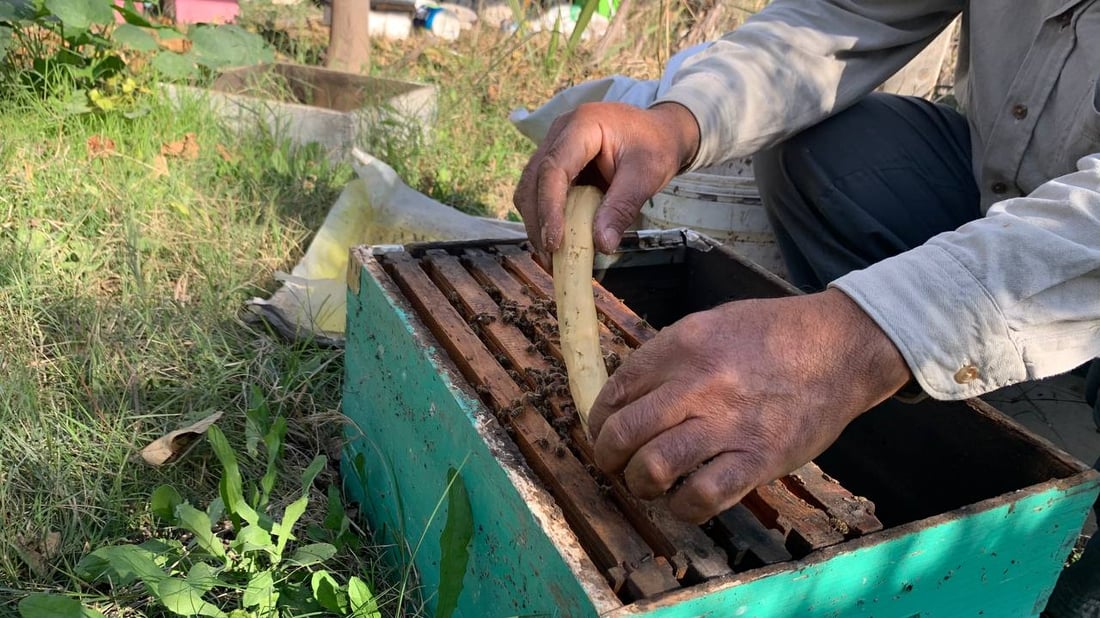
978, 513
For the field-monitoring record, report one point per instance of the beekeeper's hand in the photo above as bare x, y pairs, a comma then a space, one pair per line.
731, 398
628, 152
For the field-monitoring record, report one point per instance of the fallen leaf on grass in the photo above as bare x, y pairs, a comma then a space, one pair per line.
172, 445
160, 166
37, 553
186, 148
224, 153
100, 146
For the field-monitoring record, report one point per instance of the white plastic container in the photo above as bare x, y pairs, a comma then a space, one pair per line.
723, 203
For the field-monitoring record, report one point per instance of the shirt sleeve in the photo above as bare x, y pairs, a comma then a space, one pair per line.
1010, 297
796, 62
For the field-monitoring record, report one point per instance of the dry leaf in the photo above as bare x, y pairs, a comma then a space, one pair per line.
224, 153
186, 148
99, 146
37, 553
160, 166
179, 294
172, 445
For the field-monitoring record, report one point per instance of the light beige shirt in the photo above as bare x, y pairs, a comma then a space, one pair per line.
1011, 297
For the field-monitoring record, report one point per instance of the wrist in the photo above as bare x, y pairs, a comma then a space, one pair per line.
876, 362
682, 128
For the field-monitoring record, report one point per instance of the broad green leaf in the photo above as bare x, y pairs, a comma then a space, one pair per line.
131, 16
173, 65
5, 40
257, 420
335, 516
454, 544
232, 490
224, 46
253, 538
199, 524
273, 444
362, 601
309, 555
328, 593
312, 470
291, 515
203, 577
164, 501
127, 564
261, 592
134, 37
215, 509
42, 605
80, 14
180, 597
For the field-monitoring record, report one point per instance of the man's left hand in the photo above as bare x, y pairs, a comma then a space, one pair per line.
731, 398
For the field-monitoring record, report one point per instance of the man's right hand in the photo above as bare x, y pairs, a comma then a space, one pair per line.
628, 152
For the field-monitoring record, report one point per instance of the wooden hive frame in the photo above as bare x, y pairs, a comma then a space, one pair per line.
614, 555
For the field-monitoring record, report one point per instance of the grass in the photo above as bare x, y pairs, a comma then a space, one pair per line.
123, 271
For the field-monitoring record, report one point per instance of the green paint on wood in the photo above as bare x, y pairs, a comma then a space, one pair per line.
411, 424
1001, 562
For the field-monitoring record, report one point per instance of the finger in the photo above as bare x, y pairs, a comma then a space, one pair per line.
623, 201
628, 429
572, 150
717, 486
641, 372
660, 462
525, 199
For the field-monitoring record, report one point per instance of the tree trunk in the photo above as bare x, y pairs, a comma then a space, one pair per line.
349, 37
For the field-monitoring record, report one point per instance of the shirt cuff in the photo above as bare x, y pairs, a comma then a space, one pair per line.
947, 327
698, 94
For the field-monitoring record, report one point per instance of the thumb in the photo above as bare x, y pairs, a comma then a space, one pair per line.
621, 204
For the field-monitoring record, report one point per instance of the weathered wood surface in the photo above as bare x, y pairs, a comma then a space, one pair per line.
687, 548
602, 527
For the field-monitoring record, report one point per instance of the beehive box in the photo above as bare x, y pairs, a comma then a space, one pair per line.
977, 514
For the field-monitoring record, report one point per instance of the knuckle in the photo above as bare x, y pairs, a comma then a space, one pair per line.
651, 476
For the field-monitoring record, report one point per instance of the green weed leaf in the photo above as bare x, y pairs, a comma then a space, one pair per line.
179, 596
328, 592
5, 39
273, 443
261, 593
132, 17
253, 538
215, 509
42, 605
196, 522
123, 565
312, 470
164, 501
363, 603
232, 490
454, 544
257, 420
291, 515
225, 46
80, 14
203, 577
309, 555
134, 37
174, 66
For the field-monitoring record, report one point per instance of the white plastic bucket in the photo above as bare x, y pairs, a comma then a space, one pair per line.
723, 203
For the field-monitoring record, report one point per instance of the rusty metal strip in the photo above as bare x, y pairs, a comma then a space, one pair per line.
611, 542
628, 325
804, 527
852, 515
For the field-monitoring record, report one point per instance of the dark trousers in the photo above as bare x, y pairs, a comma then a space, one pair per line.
873, 181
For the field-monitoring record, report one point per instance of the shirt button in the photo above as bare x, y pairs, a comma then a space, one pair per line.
967, 374
1019, 112
999, 187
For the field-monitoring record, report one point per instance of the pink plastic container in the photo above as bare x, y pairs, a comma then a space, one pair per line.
206, 11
